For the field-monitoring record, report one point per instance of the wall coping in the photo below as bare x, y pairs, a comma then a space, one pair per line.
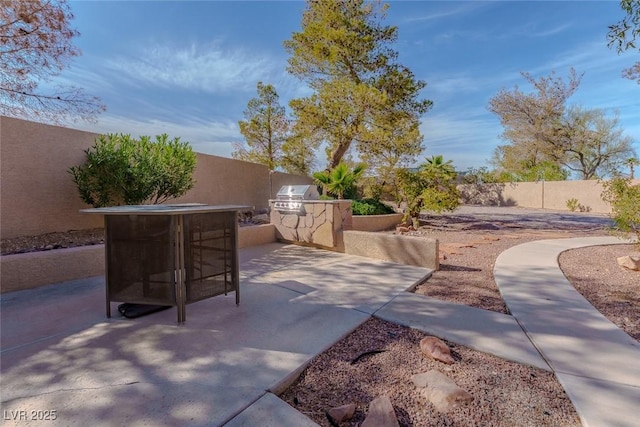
375, 222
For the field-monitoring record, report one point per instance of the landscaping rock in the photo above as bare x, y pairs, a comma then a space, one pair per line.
342, 413
437, 349
441, 391
261, 219
630, 262
381, 413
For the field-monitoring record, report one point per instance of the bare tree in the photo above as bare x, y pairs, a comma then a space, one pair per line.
530, 121
593, 145
546, 137
35, 47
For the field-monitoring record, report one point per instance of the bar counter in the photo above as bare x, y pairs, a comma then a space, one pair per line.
170, 255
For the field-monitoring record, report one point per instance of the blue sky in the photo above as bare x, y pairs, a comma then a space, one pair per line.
189, 68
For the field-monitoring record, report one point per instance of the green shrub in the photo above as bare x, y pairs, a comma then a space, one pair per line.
370, 207
573, 204
340, 181
625, 205
432, 187
123, 170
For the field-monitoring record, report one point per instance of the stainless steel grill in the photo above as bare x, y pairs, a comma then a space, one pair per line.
290, 198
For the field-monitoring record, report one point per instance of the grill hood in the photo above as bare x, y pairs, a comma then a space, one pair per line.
304, 192
290, 198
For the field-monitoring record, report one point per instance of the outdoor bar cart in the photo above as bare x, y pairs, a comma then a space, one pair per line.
170, 255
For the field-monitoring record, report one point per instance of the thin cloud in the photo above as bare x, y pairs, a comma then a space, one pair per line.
469, 131
449, 85
546, 32
210, 68
439, 14
204, 136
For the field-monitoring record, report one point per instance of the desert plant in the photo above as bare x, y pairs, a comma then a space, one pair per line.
573, 204
370, 207
340, 181
625, 205
431, 188
122, 170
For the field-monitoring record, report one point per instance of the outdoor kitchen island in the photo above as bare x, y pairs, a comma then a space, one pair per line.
170, 255
300, 218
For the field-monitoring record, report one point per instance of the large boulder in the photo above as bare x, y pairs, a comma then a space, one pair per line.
436, 349
381, 413
441, 391
630, 262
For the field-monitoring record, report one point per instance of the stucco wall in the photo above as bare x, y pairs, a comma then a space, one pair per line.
588, 194
33, 269
38, 196
409, 250
541, 195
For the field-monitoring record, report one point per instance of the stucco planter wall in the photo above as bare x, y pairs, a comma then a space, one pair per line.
375, 222
255, 235
409, 250
33, 269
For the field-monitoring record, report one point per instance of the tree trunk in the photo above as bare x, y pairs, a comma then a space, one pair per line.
338, 153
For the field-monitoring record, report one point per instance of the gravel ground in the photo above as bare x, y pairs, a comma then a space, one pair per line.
614, 291
50, 241
505, 393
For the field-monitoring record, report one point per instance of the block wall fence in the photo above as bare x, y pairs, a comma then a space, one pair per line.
37, 194
551, 195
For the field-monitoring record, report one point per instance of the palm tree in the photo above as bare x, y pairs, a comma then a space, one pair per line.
632, 162
438, 165
340, 181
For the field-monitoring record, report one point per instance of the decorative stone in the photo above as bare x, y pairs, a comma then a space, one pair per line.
308, 221
324, 236
381, 413
342, 413
318, 224
437, 349
288, 234
441, 391
491, 238
630, 262
305, 235
261, 219
318, 209
290, 221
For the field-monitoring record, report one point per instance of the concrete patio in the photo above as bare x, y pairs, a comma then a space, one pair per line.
60, 352
227, 363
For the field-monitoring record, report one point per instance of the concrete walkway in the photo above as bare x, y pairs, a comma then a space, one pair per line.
551, 326
597, 363
226, 365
